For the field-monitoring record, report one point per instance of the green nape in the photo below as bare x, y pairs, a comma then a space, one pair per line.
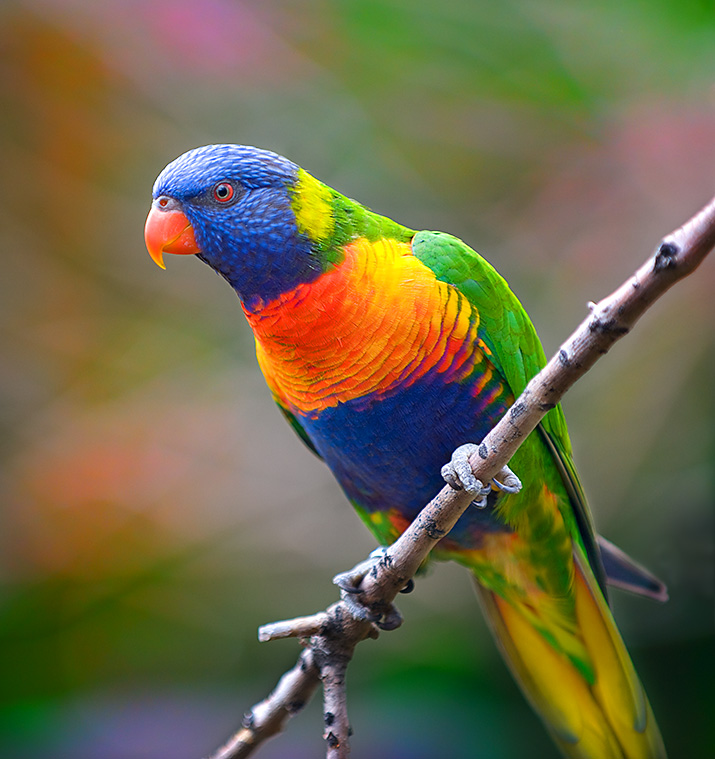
331, 220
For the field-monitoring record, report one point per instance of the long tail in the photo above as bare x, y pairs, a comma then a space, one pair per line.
608, 718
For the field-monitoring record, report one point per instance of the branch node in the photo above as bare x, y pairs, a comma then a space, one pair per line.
607, 326
564, 359
248, 720
432, 530
666, 256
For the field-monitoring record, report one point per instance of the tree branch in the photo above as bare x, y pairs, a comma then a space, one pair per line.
266, 719
335, 632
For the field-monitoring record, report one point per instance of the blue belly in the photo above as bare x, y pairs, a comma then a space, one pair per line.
387, 452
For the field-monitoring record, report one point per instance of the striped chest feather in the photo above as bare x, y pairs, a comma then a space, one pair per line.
378, 321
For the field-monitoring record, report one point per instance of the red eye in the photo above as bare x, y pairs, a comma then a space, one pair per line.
223, 192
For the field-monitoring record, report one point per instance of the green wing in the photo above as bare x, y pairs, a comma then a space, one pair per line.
517, 353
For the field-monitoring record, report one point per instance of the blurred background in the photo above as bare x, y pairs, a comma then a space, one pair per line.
155, 507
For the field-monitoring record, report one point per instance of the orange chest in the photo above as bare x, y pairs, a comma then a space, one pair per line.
379, 319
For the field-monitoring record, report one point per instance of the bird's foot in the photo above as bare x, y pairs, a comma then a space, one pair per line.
458, 475
386, 617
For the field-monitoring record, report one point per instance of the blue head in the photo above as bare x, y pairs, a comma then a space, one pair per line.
234, 205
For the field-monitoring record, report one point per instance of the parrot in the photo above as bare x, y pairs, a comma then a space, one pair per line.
387, 349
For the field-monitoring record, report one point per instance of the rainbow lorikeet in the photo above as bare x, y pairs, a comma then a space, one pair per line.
387, 348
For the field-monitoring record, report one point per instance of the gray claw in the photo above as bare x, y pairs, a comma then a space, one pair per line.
357, 609
458, 472
458, 475
388, 618
509, 483
391, 620
350, 581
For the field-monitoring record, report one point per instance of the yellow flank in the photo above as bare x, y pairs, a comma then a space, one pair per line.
311, 205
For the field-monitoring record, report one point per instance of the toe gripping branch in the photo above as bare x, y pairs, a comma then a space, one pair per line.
386, 616
458, 474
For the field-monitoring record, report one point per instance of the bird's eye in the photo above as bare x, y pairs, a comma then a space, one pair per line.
223, 192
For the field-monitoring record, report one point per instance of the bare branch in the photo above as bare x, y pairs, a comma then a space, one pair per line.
335, 704
336, 632
300, 627
266, 719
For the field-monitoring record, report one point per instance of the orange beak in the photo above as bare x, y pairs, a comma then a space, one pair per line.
168, 232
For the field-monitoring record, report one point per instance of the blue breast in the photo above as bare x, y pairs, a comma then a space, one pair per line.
387, 452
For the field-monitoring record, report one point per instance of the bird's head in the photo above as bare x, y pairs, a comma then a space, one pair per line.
253, 216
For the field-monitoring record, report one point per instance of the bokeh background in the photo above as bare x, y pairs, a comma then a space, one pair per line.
156, 509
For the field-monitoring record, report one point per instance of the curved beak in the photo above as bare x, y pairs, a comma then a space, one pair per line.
168, 231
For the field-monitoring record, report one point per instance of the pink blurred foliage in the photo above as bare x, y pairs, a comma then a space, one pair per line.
222, 40
596, 200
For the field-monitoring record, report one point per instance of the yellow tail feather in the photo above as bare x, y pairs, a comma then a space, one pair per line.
608, 719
